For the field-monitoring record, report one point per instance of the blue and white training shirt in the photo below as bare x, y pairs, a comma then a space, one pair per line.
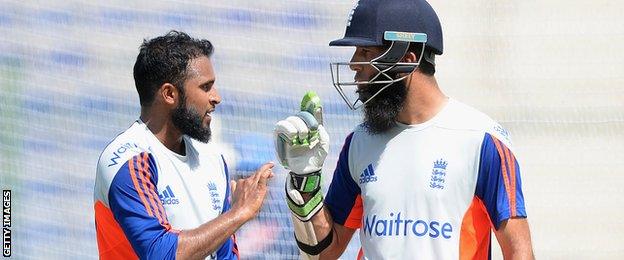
145, 193
428, 191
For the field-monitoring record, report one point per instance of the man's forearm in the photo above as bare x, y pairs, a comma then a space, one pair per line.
519, 254
322, 221
204, 240
515, 240
323, 224
518, 250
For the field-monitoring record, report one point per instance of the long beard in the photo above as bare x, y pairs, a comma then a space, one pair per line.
189, 122
380, 113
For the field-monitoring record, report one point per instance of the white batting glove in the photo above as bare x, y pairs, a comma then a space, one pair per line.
301, 141
302, 144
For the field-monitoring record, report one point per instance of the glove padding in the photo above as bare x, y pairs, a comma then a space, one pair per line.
301, 144
301, 141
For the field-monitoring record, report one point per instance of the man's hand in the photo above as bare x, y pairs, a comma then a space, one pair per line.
302, 144
248, 193
247, 197
301, 141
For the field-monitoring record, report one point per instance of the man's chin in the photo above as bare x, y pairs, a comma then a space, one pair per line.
205, 138
200, 131
380, 117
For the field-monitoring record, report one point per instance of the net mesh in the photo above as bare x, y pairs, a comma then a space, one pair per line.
544, 69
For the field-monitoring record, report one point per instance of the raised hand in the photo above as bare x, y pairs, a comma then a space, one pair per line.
249, 193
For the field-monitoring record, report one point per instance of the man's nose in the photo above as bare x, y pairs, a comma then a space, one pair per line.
354, 67
215, 98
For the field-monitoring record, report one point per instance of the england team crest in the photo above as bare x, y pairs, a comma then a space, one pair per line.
438, 174
214, 194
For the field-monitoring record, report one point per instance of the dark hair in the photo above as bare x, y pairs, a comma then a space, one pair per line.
165, 59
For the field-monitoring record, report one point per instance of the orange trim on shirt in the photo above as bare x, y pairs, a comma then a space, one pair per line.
500, 148
354, 220
111, 240
150, 195
162, 219
235, 247
511, 162
474, 238
137, 187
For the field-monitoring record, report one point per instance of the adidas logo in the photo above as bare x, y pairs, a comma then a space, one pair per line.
368, 175
167, 197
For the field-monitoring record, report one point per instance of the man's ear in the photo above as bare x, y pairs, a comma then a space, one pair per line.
169, 94
410, 57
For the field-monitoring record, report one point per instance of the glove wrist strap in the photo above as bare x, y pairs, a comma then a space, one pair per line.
308, 209
318, 248
307, 183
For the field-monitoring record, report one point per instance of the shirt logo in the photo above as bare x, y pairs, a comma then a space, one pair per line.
438, 174
167, 197
401, 226
122, 149
355, 5
368, 175
214, 194
503, 132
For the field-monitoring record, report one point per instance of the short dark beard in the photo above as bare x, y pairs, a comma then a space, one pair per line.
380, 113
189, 121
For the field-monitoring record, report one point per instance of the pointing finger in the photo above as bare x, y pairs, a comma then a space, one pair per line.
232, 186
264, 176
261, 171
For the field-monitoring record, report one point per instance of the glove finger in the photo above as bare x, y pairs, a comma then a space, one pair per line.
312, 125
285, 130
309, 120
302, 128
311, 102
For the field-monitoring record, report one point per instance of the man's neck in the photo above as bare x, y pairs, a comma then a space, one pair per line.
164, 130
424, 100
